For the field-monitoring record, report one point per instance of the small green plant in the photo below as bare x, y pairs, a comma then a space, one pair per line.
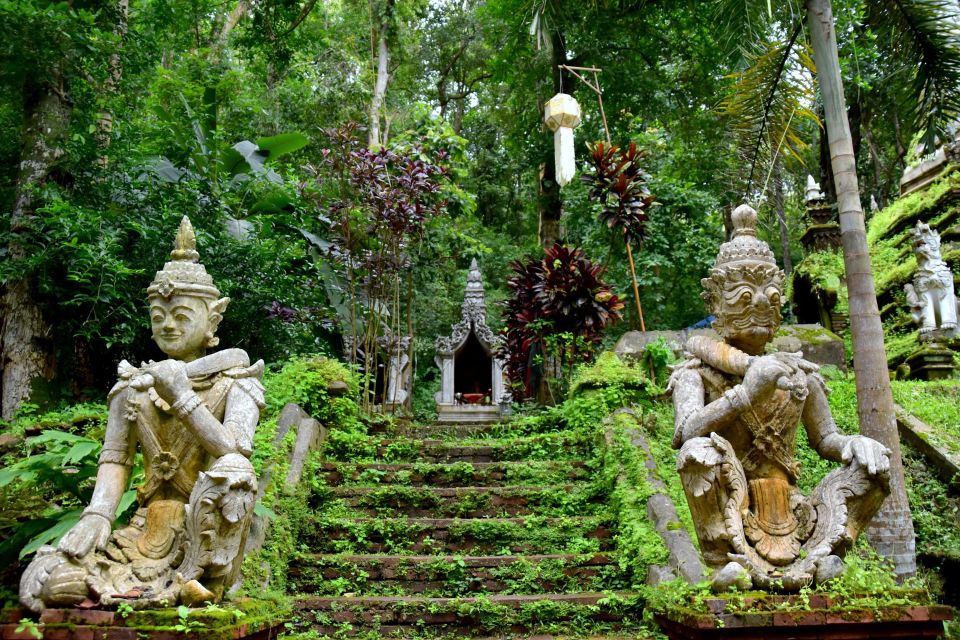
29, 626
184, 623
124, 610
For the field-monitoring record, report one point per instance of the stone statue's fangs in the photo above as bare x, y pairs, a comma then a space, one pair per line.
193, 417
737, 413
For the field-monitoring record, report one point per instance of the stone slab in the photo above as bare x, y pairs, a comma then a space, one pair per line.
105, 624
918, 433
469, 413
818, 344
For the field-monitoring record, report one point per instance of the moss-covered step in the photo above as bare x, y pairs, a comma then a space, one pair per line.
577, 534
549, 446
471, 502
809, 617
456, 474
925, 439
244, 619
455, 575
448, 431
400, 616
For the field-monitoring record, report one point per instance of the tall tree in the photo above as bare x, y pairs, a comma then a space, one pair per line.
891, 532
383, 18
50, 42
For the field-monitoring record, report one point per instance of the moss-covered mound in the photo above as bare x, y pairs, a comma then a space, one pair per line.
890, 242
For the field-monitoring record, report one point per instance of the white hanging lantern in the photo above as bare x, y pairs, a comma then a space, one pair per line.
562, 115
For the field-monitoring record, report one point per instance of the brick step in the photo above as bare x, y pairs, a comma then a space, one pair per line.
457, 474
455, 535
394, 615
443, 431
470, 502
453, 575
562, 445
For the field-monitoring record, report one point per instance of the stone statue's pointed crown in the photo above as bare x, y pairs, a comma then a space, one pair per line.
744, 245
183, 275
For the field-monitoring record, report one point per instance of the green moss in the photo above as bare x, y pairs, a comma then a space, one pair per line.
213, 622
905, 211
824, 271
809, 335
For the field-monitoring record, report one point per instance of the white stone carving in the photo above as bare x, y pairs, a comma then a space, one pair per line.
933, 303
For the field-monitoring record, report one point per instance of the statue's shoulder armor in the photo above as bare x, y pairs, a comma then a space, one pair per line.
248, 380
125, 373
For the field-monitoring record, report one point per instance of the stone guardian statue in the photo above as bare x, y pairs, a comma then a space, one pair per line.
737, 412
933, 303
192, 417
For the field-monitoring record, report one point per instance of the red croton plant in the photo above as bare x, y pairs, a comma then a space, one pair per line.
558, 308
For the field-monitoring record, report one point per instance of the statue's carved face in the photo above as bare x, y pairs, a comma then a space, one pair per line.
748, 312
181, 326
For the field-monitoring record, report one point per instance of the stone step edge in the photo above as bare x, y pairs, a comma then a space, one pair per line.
454, 492
404, 466
582, 559
343, 602
446, 523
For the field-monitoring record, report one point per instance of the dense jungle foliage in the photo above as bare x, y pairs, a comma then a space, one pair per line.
344, 161
249, 117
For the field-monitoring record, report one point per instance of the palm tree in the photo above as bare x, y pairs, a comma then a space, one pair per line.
920, 37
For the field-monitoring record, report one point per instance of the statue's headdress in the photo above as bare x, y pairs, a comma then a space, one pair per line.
183, 275
744, 255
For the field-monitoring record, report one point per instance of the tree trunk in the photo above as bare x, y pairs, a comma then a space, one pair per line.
891, 531
105, 118
383, 77
25, 345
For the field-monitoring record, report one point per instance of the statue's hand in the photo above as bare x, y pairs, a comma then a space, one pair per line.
92, 531
764, 373
868, 452
170, 380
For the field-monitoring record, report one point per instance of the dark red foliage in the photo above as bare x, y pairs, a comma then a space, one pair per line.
559, 293
619, 183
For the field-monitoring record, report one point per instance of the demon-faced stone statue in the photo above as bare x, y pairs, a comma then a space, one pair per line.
193, 417
931, 297
737, 413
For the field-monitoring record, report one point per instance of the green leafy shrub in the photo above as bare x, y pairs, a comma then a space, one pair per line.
47, 482
305, 381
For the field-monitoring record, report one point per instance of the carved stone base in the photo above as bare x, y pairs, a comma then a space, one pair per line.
931, 362
821, 237
457, 413
820, 618
261, 620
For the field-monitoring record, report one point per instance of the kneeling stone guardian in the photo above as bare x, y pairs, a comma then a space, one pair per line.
737, 411
193, 416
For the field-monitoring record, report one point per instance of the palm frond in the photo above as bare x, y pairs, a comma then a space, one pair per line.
923, 38
769, 103
749, 20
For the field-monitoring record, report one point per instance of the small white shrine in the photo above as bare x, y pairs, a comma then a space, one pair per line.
472, 387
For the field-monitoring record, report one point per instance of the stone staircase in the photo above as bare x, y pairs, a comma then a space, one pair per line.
467, 530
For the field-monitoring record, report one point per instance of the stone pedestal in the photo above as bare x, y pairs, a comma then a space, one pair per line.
817, 617
261, 620
931, 362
